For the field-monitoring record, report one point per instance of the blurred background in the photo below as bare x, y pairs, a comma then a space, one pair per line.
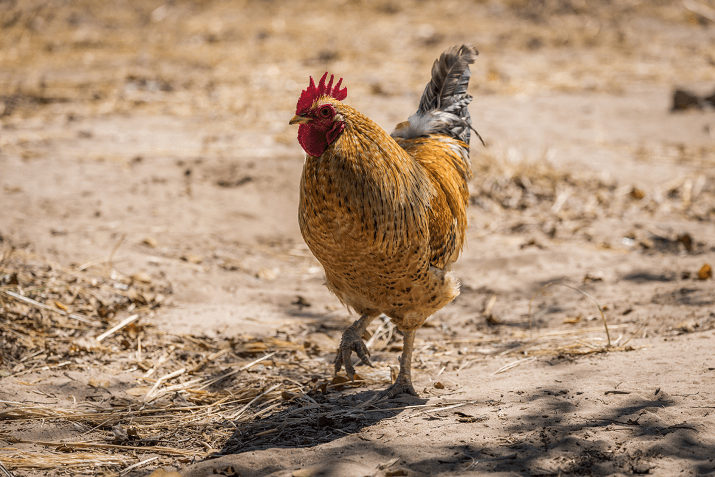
148, 173
246, 61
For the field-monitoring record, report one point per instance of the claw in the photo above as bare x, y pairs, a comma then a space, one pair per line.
363, 353
350, 342
401, 386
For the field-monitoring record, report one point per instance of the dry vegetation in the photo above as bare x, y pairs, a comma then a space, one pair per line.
191, 396
189, 58
522, 195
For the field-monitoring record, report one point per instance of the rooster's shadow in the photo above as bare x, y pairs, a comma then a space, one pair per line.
329, 418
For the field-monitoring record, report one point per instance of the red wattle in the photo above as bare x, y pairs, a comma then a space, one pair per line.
314, 140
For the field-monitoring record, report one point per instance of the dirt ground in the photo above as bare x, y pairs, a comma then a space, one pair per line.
148, 171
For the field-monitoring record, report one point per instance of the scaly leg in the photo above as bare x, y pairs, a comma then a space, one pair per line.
403, 383
352, 341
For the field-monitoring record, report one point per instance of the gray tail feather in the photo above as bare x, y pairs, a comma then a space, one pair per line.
445, 96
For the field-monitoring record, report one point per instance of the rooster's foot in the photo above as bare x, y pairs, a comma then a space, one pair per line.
351, 341
403, 385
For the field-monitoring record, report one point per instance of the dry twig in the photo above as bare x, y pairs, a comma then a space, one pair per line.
605, 324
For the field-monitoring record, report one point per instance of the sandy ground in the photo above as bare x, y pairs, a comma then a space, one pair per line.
155, 137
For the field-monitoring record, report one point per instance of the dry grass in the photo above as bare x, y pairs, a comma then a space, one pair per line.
192, 396
519, 194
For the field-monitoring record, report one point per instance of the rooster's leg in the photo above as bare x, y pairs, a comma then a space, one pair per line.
403, 383
352, 341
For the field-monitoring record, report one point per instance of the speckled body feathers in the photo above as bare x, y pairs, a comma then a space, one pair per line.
386, 216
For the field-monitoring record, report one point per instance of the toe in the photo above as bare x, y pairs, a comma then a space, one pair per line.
397, 388
338, 362
363, 353
347, 362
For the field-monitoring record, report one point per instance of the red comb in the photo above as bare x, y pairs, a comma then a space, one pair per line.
312, 93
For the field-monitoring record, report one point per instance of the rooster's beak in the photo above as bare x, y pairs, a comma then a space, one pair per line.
299, 120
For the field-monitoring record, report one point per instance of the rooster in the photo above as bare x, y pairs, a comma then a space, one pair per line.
386, 214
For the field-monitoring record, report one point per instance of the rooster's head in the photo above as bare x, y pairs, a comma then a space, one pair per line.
318, 113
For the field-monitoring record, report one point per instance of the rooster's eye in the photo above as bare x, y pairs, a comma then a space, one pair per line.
325, 112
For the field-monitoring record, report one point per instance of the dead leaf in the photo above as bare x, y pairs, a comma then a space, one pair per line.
646, 243
637, 194
492, 320
687, 326
136, 297
593, 277
321, 386
572, 321
337, 381
687, 241
255, 347
96, 383
531, 243
266, 274
150, 242
705, 272
141, 277
191, 258
119, 433
489, 306
84, 344
164, 473
231, 265
234, 182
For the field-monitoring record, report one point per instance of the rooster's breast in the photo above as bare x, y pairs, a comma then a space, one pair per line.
367, 224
